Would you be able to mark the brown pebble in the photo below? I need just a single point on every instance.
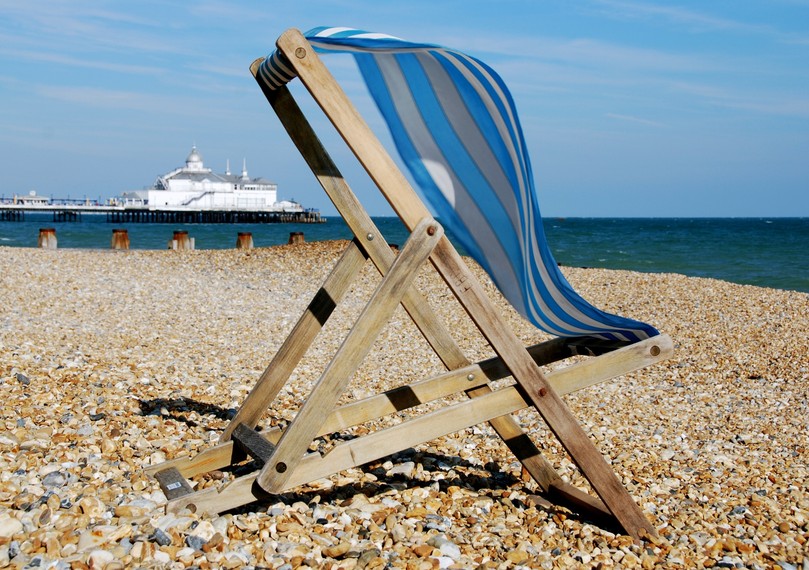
(337, 551)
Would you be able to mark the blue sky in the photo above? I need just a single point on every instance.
(629, 108)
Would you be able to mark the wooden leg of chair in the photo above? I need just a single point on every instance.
(299, 340)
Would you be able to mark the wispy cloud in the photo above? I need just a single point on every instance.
(693, 19)
(149, 104)
(71, 61)
(75, 26)
(229, 11)
(636, 120)
(697, 21)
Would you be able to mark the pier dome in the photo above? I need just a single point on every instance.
(194, 160)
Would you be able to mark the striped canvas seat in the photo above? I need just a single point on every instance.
(456, 128)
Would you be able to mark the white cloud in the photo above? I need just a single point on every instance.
(636, 120)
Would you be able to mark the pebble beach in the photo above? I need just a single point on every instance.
(112, 361)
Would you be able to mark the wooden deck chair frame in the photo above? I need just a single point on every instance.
(284, 456)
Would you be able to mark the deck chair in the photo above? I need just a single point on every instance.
(455, 126)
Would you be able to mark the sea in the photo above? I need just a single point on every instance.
(767, 252)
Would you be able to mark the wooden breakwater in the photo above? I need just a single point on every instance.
(180, 241)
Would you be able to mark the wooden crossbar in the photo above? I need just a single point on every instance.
(565, 380)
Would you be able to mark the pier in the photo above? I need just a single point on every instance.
(169, 215)
(132, 215)
(190, 194)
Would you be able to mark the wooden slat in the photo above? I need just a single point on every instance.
(372, 155)
(427, 427)
(241, 491)
(622, 361)
(215, 457)
(359, 341)
(574, 377)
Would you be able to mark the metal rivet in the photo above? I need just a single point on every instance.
(300, 53)
(470, 377)
(655, 350)
(430, 230)
(542, 392)
(370, 237)
(281, 467)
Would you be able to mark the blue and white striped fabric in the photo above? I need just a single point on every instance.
(455, 126)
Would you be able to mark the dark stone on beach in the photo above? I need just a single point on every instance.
(98, 416)
(54, 479)
(195, 542)
(160, 537)
(22, 379)
(728, 562)
(367, 556)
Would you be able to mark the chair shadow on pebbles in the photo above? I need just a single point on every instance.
(407, 469)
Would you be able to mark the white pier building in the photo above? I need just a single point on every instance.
(196, 187)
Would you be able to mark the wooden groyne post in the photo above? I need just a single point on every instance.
(47, 238)
(120, 239)
(244, 240)
(181, 241)
(295, 237)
